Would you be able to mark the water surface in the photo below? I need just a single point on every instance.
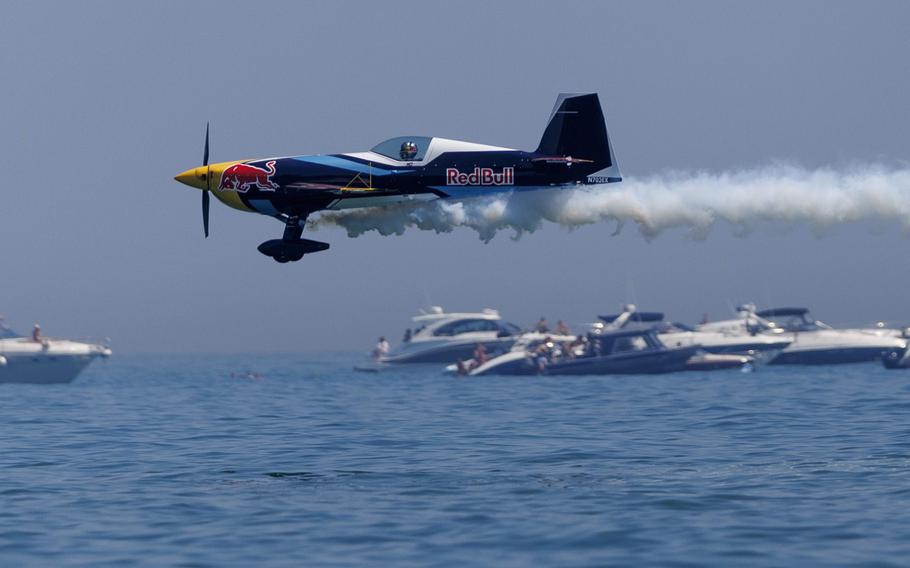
(172, 461)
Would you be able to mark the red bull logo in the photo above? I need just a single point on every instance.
(480, 176)
(241, 177)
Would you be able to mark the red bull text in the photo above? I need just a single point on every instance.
(480, 176)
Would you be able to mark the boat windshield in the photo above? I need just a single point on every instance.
(404, 148)
(506, 328)
(755, 324)
(623, 344)
(626, 344)
(458, 327)
(800, 323)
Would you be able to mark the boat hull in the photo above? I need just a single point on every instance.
(43, 369)
(896, 358)
(829, 356)
(450, 352)
(633, 363)
(719, 362)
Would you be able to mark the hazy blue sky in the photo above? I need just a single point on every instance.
(102, 103)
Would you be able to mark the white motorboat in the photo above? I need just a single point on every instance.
(48, 360)
(813, 342)
(718, 340)
(442, 337)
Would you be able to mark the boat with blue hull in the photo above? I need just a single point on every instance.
(609, 353)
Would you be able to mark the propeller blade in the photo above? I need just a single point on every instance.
(208, 184)
(205, 212)
(205, 154)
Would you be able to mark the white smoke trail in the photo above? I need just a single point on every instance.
(818, 198)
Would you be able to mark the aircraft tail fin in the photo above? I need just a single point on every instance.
(577, 128)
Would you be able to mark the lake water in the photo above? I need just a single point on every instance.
(172, 461)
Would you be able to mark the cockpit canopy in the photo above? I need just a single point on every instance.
(394, 148)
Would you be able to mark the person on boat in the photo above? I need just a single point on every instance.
(542, 326)
(542, 354)
(562, 328)
(568, 349)
(407, 335)
(593, 345)
(36, 334)
(381, 349)
(480, 355)
(461, 368)
(580, 346)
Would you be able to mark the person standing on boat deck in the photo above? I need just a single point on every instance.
(407, 335)
(381, 349)
(542, 326)
(594, 346)
(36, 334)
(562, 328)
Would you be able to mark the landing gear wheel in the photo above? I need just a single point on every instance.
(283, 251)
(290, 247)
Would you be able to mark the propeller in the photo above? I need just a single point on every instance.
(208, 184)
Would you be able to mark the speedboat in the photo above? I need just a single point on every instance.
(721, 347)
(527, 341)
(46, 360)
(813, 342)
(607, 353)
(442, 337)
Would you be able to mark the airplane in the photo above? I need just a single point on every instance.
(574, 150)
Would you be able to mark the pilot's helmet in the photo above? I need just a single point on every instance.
(408, 150)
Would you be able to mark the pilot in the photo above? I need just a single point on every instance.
(408, 150)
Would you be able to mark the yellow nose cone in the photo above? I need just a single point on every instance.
(194, 177)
